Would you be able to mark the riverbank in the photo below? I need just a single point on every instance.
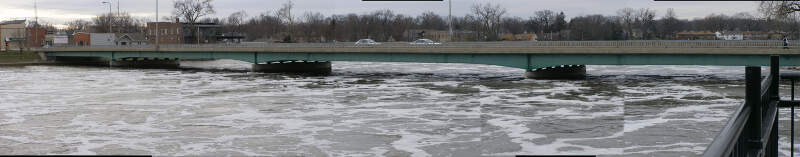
(21, 58)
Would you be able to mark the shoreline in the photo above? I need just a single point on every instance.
(28, 64)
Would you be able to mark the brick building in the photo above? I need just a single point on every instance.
(169, 33)
(81, 39)
(36, 36)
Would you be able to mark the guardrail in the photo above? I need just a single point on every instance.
(507, 44)
(753, 129)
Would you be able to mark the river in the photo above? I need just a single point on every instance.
(217, 108)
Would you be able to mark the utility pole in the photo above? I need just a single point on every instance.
(156, 31)
(36, 24)
(110, 16)
(450, 18)
(118, 14)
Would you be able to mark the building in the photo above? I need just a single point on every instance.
(759, 35)
(704, 35)
(170, 33)
(729, 36)
(102, 39)
(435, 35)
(234, 37)
(518, 37)
(130, 39)
(59, 38)
(36, 36)
(81, 39)
(12, 35)
(207, 33)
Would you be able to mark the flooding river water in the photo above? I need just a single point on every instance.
(365, 109)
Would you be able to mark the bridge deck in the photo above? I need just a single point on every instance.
(525, 55)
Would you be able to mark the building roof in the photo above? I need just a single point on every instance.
(132, 36)
(12, 22)
(200, 24)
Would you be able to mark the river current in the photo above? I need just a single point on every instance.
(217, 108)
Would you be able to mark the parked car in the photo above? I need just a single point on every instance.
(424, 42)
(367, 42)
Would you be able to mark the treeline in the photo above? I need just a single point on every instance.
(485, 22)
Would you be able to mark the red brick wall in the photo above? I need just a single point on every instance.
(169, 33)
(81, 38)
(36, 36)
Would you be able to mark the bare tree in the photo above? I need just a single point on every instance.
(513, 25)
(489, 17)
(285, 14)
(430, 20)
(79, 25)
(191, 11)
(645, 19)
(124, 23)
(312, 28)
(775, 9)
(626, 17)
(235, 21)
(669, 25)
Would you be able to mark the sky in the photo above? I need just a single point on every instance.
(60, 11)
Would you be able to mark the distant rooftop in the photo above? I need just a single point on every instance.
(12, 22)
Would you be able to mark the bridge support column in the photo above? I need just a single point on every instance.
(147, 63)
(558, 72)
(323, 68)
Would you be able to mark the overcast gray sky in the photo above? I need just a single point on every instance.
(60, 11)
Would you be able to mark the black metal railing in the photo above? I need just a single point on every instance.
(753, 129)
(793, 77)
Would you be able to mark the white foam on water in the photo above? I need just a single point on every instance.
(171, 98)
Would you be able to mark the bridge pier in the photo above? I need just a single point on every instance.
(313, 67)
(150, 63)
(85, 61)
(147, 63)
(558, 72)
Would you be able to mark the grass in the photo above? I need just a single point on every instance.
(18, 57)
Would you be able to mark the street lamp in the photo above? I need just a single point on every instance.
(110, 16)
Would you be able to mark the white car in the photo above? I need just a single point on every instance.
(367, 42)
(424, 42)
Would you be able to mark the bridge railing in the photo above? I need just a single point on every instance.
(508, 44)
(753, 128)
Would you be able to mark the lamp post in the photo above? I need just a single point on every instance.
(110, 16)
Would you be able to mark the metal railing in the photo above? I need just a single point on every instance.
(506, 44)
(753, 129)
(792, 77)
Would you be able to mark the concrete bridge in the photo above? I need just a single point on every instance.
(540, 59)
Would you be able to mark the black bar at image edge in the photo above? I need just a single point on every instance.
(76, 155)
(401, 0)
(556, 156)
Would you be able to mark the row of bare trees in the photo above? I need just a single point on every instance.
(485, 22)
